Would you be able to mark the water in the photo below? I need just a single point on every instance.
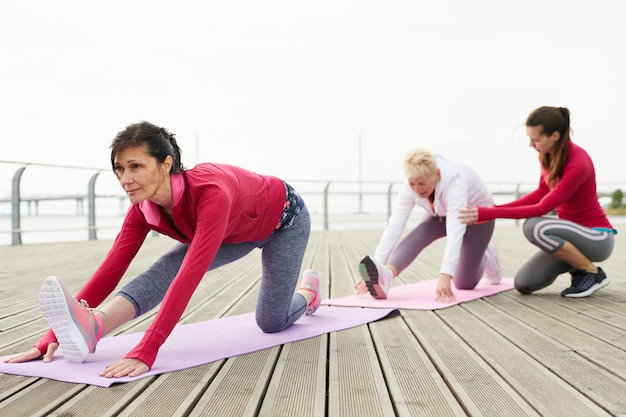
(63, 222)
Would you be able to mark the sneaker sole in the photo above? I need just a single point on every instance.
(57, 313)
(591, 290)
(369, 273)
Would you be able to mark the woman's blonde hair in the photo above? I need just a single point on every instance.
(420, 163)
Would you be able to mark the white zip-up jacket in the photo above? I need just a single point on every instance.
(458, 187)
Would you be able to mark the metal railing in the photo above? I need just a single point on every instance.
(51, 189)
(338, 204)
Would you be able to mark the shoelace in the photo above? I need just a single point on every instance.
(583, 281)
(98, 323)
(85, 305)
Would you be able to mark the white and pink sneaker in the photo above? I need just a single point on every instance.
(76, 327)
(493, 272)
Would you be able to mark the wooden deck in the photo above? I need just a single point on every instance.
(505, 355)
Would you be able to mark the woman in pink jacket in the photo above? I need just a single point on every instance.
(218, 213)
(580, 234)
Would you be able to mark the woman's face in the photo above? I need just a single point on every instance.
(141, 176)
(424, 186)
(541, 142)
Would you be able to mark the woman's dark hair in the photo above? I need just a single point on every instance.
(159, 143)
(553, 119)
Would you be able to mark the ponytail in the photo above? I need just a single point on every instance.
(175, 153)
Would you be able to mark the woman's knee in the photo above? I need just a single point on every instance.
(523, 288)
(269, 326)
(528, 286)
(465, 285)
(528, 228)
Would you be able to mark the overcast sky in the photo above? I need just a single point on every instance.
(291, 88)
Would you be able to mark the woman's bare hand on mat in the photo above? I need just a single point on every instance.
(444, 293)
(34, 353)
(360, 287)
(125, 367)
(468, 215)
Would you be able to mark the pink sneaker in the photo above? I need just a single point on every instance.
(311, 281)
(376, 276)
(76, 327)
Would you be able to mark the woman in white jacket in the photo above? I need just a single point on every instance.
(441, 187)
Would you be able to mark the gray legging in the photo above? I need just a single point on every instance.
(277, 306)
(470, 268)
(550, 234)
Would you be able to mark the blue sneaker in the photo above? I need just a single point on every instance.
(585, 283)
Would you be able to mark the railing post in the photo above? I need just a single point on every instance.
(517, 195)
(389, 198)
(326, 205)
(16, 233)
(91, 207)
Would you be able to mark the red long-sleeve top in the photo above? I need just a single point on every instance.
(574, 198)
(212, 204)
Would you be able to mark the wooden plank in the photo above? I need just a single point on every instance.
(476, 386)
(297, 386)
(102, 401)
(588, 364)
(414, 384)
(239, 386)
(157, 399)
(494, 336)
(49, 395)
(356, 384)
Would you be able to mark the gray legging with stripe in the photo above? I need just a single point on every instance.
(470, 268)
(277, 306)
(550, 234)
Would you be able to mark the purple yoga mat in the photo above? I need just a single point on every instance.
(419, 296)
(195, 344)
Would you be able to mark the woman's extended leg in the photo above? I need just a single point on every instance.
(425, 233)
(148, 289)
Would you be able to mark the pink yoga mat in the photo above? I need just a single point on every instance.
(195, 344)
(419, 296)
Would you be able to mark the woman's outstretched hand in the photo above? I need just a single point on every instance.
(34, 353)
(125, 367)
(444, 293)
(469, 215)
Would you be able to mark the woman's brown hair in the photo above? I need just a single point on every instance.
(553, 119)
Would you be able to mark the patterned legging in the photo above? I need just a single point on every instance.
(550, 234)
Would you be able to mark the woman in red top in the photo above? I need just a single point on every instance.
(218, 213)
(581, 234)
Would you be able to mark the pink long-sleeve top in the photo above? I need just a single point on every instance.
(212, 204)
(574, 198)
